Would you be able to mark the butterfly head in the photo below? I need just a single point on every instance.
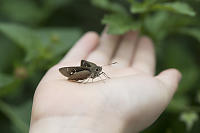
(96, 71)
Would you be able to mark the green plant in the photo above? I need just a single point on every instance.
(35, 34)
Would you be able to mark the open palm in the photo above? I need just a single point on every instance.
(130, 101)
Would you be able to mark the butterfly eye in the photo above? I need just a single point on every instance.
(97, 69)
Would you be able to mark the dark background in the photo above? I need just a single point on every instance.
(35, 34)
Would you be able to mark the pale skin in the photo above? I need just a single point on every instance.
(129, 102)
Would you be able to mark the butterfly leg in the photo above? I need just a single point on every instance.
(85, 81)
(101, 74)
(101, 79)
(82, 81)
(105, 75)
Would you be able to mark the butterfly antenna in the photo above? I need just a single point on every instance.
(110, 64)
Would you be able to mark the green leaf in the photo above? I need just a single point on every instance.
(22, 10)
(177, 7)
(22, 35)
(189, 118)
(56, 3)
(8, 85)
(25, 37)
(9, 53)
(28, 11)
(14, 117)
(177, 55)
(119, 24)
(5, 80)
(178, 104)
(141, 7)
(194, 32)
(24, 111)
(159, 26)
(155, 24)
(148, 5)
(110, 6)
(58, 40)
(40, 43)
(198, 96)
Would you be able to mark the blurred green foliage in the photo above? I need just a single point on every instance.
(35, 34)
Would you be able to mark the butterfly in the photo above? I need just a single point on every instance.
(85, 71)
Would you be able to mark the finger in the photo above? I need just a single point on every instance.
(170, 78)
(125, 50)
(144, 58)
(103, 53)
(82, 48)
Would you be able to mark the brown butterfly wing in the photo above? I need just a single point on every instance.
(69, 71)
(85, 63)
(80, 75)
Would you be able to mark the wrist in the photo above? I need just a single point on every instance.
(77, 124)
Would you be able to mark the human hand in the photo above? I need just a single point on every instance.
(128, 102)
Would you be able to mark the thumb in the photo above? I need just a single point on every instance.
(170, 79)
